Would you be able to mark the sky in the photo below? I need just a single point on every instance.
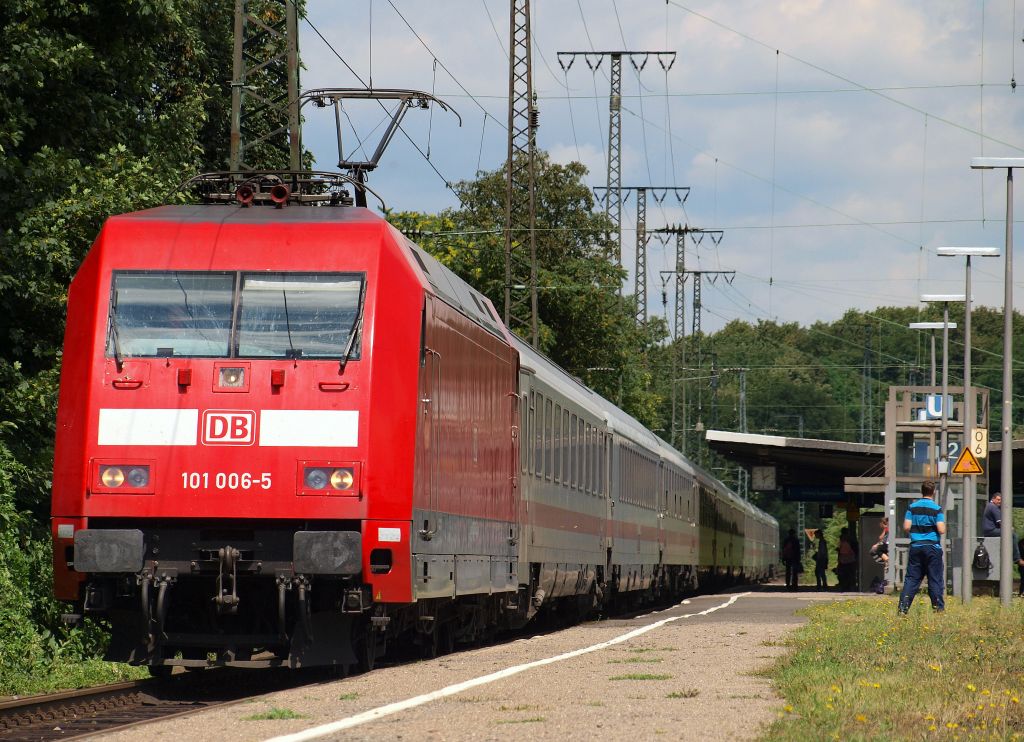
(829, 141)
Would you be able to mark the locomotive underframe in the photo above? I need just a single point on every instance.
(238, 593)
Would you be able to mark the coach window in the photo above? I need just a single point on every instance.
(587, 456)
(537, 411)
(548, 441)
(574, 454)
(566, 459)
(524, 432)
(558, 443)
(579, 453)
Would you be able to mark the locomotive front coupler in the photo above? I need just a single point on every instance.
(227, 602)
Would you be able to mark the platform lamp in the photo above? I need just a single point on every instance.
(943, 462)
(1006, 487)
(931, 326)
(969, 514)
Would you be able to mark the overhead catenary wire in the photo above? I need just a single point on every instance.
(447, 183)
(845, 79)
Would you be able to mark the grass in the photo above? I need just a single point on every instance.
(636, 661)
(275, 713)
(640, 676)
(857, 671)
(67, 673)
(688, 693)
(348, 696)
(531, 720)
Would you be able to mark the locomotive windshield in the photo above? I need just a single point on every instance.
(229, 315)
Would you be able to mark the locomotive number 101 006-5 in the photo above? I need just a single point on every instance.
(196, 480)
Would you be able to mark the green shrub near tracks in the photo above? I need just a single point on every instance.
(857, 671)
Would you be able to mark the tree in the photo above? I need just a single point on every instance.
(107, 108)
(586, 327)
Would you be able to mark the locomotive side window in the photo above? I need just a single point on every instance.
(299, 315)
(226, 314)
(170, 314)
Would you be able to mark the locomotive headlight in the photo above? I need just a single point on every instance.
(138, 476)
(231, 376)
(316, 479)
(327, 478)
(342, 479)
(112, 476)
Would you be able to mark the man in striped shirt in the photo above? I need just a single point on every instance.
(925, 522)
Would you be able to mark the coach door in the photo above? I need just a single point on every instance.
(663, 481)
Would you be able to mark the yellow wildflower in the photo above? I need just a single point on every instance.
(971, 687)
(986, 692)
(861, 718)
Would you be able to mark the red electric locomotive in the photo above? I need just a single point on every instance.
(260, 410)
(287, 434)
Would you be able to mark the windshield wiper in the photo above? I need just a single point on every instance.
(353, 331)
(118, 358)
(288, 325)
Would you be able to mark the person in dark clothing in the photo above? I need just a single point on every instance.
(791, 558)
(926, 523)
(1020, 568)
(846, 567)
(992, 518)
(821, 561)
(992, 525)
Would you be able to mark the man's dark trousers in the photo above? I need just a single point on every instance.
(921, 561)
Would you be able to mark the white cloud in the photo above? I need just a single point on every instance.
(841, 156)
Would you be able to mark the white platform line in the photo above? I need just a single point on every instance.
(393, 708)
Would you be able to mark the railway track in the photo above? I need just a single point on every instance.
(77, 713)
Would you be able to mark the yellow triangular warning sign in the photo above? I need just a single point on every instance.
(967, 463)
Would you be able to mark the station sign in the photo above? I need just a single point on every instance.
(979, 443)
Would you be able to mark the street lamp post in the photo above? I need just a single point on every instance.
(968, 514)
(943, 462)
(1005, 543)
(932, 326)
(943, 457)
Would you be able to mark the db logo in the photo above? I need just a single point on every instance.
(229, 428)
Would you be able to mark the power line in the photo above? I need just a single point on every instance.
(431, 52)
(847, 80)
(447, 183)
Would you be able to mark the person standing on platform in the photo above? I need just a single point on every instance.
(846, 561)
(992, 525)
(821, 561)
(926, 523)
(992, 518)
(791, 558)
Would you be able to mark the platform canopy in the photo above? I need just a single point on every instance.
(812, 469)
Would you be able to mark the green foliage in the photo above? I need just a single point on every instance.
(586, 327)
(275, 713)
(106, 108)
